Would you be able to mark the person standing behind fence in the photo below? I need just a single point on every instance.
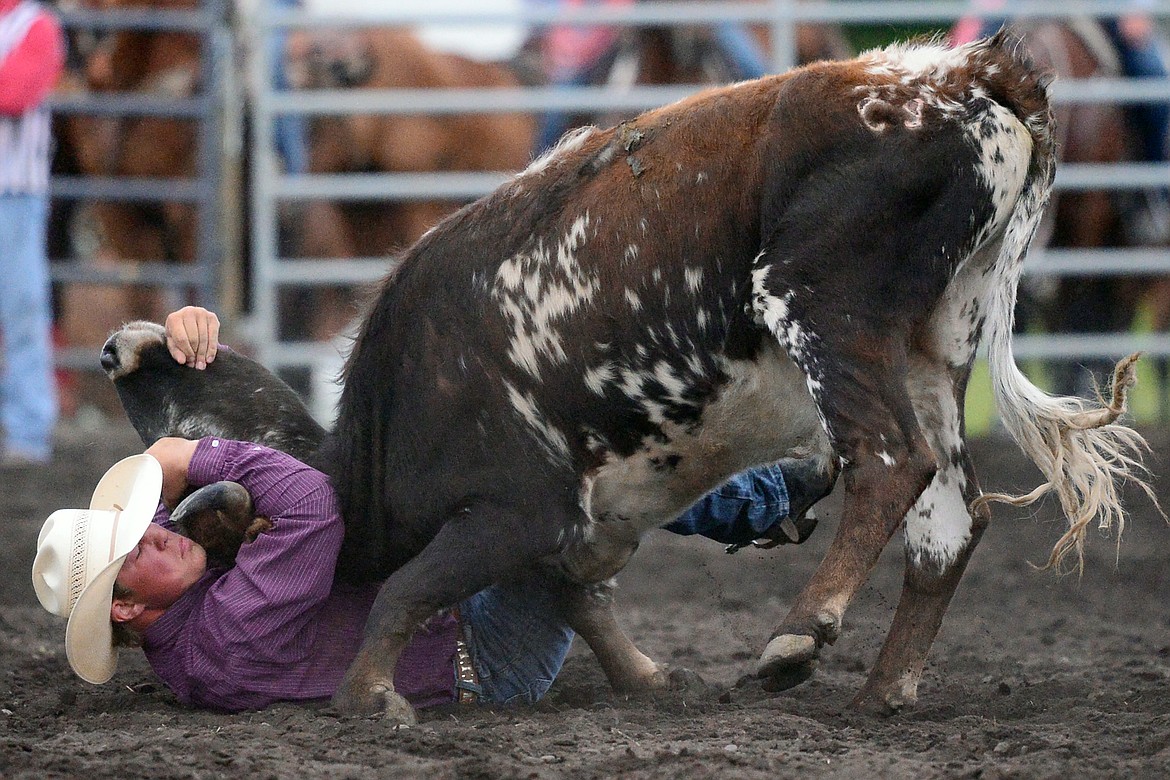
(32, 55)
(290, 131)
(572, 52)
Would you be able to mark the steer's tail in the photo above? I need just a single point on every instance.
(1083, 452)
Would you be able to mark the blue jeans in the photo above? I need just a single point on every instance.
(28, 393)
(518, 639)
(739, 510)
(741, 49)
(290, 131)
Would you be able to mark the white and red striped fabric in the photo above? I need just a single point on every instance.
(31, 58)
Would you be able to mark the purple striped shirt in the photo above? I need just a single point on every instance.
(275, 627)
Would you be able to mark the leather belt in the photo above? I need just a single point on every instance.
(467, 687)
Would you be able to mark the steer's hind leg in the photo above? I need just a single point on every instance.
(855, 260)
(888, 464)
(941, 534)
(487, 543)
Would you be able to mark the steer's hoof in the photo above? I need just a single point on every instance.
(398, 710)
(786, 650)
(648, 679)
(376, 699)
(873, 701)
(787, 661)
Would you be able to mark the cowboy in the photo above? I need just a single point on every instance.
(271, 628)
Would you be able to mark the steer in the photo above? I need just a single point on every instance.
(237, 398)
(803, 264)
(800, 265)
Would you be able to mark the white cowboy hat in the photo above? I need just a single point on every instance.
(79, 555)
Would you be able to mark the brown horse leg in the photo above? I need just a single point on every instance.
(1086, 304)
(325, 232)
(1159, 298)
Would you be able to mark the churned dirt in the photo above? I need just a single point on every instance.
(1032, 675)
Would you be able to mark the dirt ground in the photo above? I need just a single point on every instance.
(1032, 675)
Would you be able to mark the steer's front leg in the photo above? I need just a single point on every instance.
(588, 609)
(486, 544)
(368, 687)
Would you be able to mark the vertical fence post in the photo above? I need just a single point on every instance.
(263, 175)
(215, 53)
(783, 33)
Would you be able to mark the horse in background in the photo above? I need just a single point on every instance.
(1079, 48)
(391, 58)
(160, 63)
(170, 64)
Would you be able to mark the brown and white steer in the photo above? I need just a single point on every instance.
(804, 264)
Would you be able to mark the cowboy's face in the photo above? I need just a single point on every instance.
(162, 567)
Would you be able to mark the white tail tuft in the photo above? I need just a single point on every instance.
(1083, 452)
(1081, 449)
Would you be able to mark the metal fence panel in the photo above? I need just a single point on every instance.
(203, 191)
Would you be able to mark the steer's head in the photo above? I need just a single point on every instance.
(234, 397)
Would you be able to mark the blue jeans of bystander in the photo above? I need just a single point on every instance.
(28, 395)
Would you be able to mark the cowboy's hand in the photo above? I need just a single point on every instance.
(193, 336)
(174, 455)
